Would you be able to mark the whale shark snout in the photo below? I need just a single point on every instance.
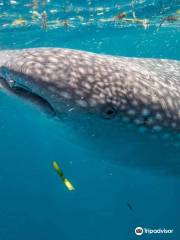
(116, 94)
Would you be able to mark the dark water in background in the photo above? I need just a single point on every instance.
(34, 204)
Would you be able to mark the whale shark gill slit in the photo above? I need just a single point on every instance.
(23, 92)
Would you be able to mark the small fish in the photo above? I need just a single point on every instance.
(66, 182)
(130, 207)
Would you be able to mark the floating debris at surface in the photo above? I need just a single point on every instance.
(44, 18)
(171, 18)
(66, 15)
(121, 15)
(20, 21)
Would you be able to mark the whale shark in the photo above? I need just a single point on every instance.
(115, 101)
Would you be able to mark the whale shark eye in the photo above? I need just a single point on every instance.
(109, 112)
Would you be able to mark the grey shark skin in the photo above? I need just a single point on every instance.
(113, 100)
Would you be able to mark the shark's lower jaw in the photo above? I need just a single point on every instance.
(23, 92)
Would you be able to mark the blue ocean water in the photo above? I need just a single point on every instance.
(109, 200)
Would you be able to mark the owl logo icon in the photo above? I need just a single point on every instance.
(139, 231)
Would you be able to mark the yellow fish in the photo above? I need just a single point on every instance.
(66, 182)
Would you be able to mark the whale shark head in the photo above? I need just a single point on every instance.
(106, 86)
(101, 95)
(67, 80)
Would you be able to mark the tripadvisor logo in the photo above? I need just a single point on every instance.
(139, 231)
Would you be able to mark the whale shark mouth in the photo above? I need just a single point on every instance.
(24, 92)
